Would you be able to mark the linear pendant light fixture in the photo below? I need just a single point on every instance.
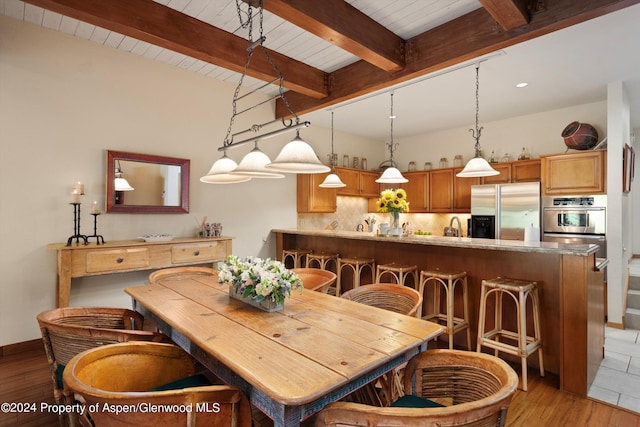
(478, 166)
(296, 157)
(332, 180)
(391, 174)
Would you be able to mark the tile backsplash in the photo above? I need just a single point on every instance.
(352, 211)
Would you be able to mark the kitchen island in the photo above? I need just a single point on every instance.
(570, 281)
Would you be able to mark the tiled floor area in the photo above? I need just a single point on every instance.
(618, 379)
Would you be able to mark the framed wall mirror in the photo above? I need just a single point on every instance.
(144, 183)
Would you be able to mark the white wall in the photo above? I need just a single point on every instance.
(63, 102)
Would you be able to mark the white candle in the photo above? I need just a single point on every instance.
(94, 208)
(74, 197)
(79, 187)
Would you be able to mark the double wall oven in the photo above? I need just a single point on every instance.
(575, 219)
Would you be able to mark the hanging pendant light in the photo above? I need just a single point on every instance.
(477, 167)
(121, 184)
(296, 157)
(220, 172)
(391, 174)
(253, 165)
(332, 180)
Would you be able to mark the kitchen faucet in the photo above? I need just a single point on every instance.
(458, 231)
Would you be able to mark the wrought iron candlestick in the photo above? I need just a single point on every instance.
(76, 226)
(95, 234)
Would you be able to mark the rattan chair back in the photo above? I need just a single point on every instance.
(392, 297)
(178, 273)
(316, 279)
(122, 375)
(475, 388)
(71, 330)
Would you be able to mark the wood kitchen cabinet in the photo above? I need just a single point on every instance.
(516, 171)
(462, 192)
(313, 199)
(441, 190)
(417, 191)
(359, 182)
(574, 173)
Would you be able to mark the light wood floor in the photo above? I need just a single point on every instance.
(25, 377)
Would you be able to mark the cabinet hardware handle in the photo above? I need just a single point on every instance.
(120, 260)
(196, 253)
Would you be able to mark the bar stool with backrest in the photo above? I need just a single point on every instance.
(399, 272)
(447, 281)
(519, 291)
(297, 256)
(357, 265)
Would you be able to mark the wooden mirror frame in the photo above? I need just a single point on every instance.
(114, 156)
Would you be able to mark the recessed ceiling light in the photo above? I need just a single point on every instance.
(523, 84)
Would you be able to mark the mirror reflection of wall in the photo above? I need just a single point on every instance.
(155, 184)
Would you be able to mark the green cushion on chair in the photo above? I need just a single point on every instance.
(198, 380)
(411, 401)
(59, 372)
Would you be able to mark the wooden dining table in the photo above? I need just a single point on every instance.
(290, 363)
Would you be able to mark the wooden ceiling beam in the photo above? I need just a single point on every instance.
(509, 14)
(341, 24)
(454, 42)
(167, 28)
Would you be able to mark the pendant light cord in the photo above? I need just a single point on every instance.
(391, 144)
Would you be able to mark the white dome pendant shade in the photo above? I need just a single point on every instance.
(477, 167)
(391, 176)
(121, 184)
(297, 157)
(220, 172)
(332, 181)
(253, 165)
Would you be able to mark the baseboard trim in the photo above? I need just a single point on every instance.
(616, 325)
(21, 347)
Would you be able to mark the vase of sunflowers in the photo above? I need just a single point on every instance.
(393, 201)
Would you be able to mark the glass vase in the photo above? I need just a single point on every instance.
(394, 223)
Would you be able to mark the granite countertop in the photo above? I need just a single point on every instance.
(459, 242)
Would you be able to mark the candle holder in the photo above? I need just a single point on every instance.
(95, 234)
(76, 226)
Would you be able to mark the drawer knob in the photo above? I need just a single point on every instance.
(120, 260)
(196, 253)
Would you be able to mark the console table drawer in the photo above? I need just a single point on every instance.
(205, 252)
(117, 259)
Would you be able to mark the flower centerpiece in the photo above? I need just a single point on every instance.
(264, 283)
(394, 202)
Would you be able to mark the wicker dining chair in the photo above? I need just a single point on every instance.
(453, 388)
(181, 273)
(316, 279)
(149, 375)
(71, 330)
(393, 297)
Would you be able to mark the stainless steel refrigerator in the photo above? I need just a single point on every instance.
(512, 208)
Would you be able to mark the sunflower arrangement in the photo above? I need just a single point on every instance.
(392, 201)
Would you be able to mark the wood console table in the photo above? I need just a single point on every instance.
(132, 255)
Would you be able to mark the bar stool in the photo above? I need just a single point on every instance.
(357, 265)
(518, 290)
(447, 281)
(399, 272)
(296, 255)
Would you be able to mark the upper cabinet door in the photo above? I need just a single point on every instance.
(503, 178)
(417, 191)
(441, 190)
(526, 171)
(351, 177)
(368, 185)
(462, 192)
(575, 173)
(313, 199)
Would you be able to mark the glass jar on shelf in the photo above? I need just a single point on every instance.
(427, 166)
(363, 163)
(356, 162)
(506, 158)
(524, 155)
(493, 158)
(412, 166)
(345, 161)
(444, 162)
(457, 161)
